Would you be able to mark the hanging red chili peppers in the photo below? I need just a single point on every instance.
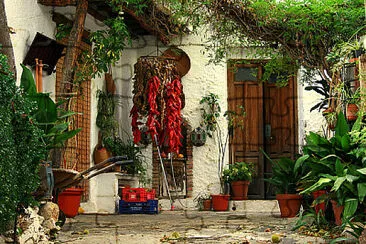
(172, 121)
(158, 98)
(152, 123)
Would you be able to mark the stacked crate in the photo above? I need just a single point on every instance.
(137, 201)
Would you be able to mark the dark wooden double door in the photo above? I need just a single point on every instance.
(270, 123)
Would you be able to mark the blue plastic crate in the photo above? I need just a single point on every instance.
(148, 207)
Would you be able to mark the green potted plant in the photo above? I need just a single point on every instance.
(239, 175)
(203, 201)
(285, 176)
(211, 111)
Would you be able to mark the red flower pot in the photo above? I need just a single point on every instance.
(289, 204)
(239, 190)
(220, 202)
(320, 206)
(337, 210)
(206, 205)
(69, 201)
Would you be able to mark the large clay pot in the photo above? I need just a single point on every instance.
(239, 190)
(101, 154)
(69, 201)
(289, 204)
(351, 112)
(337, 210)
(220, 202)
(320, 206)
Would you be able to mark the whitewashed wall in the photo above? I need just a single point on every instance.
(27, 18)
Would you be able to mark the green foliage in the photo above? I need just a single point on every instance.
(49, 115)
(337, 165)
(105, 117)
(285, 175)
(211, 111)
(119, 147)
(21, 147)
(239, 171)
(107, 49)
(302, 32)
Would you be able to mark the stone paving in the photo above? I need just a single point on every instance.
(182, 227)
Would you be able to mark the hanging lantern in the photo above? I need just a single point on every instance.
(198, 137)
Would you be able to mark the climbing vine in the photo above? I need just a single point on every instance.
(301, 32)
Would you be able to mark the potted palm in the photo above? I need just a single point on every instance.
(285, 176)
(239, 175)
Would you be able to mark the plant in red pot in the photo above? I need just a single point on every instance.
(239, 175)
(284, 179)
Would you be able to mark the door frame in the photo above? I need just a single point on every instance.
(232, 64)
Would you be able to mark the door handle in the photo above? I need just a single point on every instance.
(267, 131)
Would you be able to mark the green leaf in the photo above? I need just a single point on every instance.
(339, 168)
(339, 181)
(342, 127)
(300, 161)
(320, 184)
(357, 125)
(350, 207)
(27, 81)
(361, 189)
(60, 139)
(47, 111)
(346, 142)
(362, 171)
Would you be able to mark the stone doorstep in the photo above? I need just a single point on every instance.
(245, 206)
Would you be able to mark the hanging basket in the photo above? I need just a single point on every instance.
(110, 85)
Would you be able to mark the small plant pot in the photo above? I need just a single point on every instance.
(206, 205)
(220, 202)
(239, 190)
(320, 206)
(351, 112)
(337, 210)
(289, 204)
(69, 201)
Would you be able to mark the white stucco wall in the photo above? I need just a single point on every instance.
(27, 18)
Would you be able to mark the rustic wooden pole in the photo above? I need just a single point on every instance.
(72, 51)
(73, 46)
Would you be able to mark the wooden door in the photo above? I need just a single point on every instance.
(270, 123)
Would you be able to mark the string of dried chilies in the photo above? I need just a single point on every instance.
(158, 95)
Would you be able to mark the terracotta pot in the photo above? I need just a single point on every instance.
(239, 190)
(320, 206)
(101, 154)
(337, 210)
(351, 112)
(289, 204)
(220, 202)
(206, 205)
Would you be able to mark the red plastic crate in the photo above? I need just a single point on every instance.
(137, 194)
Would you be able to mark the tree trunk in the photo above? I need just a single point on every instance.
(68, 69)
(73, 47)
(5, 41)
